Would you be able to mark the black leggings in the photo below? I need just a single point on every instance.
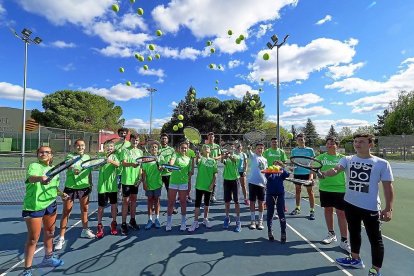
(279, 201)
(199, 195)
(354, 216)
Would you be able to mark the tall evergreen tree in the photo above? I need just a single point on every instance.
(332, 132)
(312, 137)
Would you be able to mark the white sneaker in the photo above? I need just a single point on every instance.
(329, 238)
(193, 226)
(345, 246)
(189, 200)
(260, 225)
(207, 223)
(183, 226)
(59, 244)
(168, 226)
(252, 225)
(87, 233)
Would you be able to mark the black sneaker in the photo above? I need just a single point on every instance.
(283, 238)
(175, 211)
(133, 224)
(270, 235)
(124, 228)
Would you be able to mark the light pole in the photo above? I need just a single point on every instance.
(151, 90)
(25, 37)
(271, 45)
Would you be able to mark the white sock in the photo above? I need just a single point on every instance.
(157, 216)
(169, 219)
(183, 219)
(252, 216)
(150, 217)
(260, 215)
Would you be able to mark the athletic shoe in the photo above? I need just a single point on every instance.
(168, 227)
(246, 202)
(329, 238)
(312, 215)
(260, 225)
(124, 228)
(226, 222)
(193, 226)
(28, 272)
(252, 225)
(133, 224)
(295, 212)
(183, 226)
(149, 225)
(87, 233)
(207, 223)
(238, 227)
(283, 238)
(276, 216)
(189, 200)
(270, 235)
(345, 246)
(213, 199)
(59, 244)
(373, 272)
(175, 211)
(52, 261)
(177, 201)
(350, 262)
(157, 223)
(114, 231)
(100, 232)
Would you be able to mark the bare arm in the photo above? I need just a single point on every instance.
(334, 171)
(386, 214)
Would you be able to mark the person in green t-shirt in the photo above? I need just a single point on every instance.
(205, 181)
(274, 153)
(130, 178)
(216, 155)
(243, 172)
(192, 155)
(77, 186)
(332, 192)
(179, 184)
(39, 207)
(166, 152)
(108, 189)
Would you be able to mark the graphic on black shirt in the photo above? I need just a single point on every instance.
(359, 176)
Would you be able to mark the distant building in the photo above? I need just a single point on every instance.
(11, 120)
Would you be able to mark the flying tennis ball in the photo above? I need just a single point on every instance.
(211, 65)
(159, 33)
(208, 43)
(290, 135)
(180, 117)
(217, 81)
(136, 55)
(151, 47)
(238, 41)
(252, 102)
(256, 112)
(128, 83)
(241, 37)
(180, 125)
(115, 7)
(229, 32)
(145, 67)
(262, 79)
(132, 1)
(266, 56)
(175, 127)
(192, 100)
(140, 11)
(216, 88)
(219, 67)
(193, 91)
(157, 56)
(149, 58)
(141, 58)
(261, 111)
(260, 89)
(121, 69)
(212, 50)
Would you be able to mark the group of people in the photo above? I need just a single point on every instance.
(348, 184)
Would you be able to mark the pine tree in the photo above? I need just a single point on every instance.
(312, 137)
(332, 132)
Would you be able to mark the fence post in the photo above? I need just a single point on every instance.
(38, 137)
(404, 147)
(65, 142)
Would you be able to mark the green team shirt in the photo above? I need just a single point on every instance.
(120, 146)
(181, 176)
(207, 167)
(39, 196)
(335, 183)
(273, 155)
(130, 175)
(215, 150)
(81, 180)
(167, 153)
(231, 170)
(152, 174)
(108, 174)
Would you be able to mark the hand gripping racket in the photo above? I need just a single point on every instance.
(99, 161)
(62, 166)
(307, 162)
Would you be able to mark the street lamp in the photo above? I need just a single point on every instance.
(151, 90)
(271, 45)
(25, 37)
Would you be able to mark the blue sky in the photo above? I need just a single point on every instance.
(342, 64)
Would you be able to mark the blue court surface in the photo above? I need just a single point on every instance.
(213, 251)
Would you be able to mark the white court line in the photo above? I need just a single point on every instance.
(41, 248)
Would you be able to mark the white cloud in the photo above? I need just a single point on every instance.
(263, 29)
(336, 103)
(341, 71)
(119, 92)
(68, 67)
(15, 92)
(297, 63)
(298, 112)
(235, 63)
(238, 91)
(354, 85)
(116, 51)
(132, 21)
(185, 53)
(141, 124)
(62, 44)
(228, 45)
(152, 72)
(353, 123)
(303, 100)
(173, 104)
(327, 18)
(2, 9)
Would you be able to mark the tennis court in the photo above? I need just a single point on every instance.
(206, 252)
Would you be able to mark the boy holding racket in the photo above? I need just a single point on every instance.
(77, 186)
(130, 178)
(303, 174)
(39, 207)
(364, 172)
(108, 189)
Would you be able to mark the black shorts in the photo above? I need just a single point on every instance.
(230, 188)
(199, 195)
(77, 193)
(302, 177)
(256, 192)
(128, 190)
(104, 197)
(332, 199)
(166, 181)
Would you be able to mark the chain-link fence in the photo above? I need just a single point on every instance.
(397, 147)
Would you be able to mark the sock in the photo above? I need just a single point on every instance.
(149, 217)
(237, 218)
(298, 207)
(252, 216)
(157, 216)
(183, 218)
(260, 215)
(343, 239)
(332, 232)
(27, 268)
(312, 209)
(169, 219)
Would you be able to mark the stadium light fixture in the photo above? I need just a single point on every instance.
(151, 90)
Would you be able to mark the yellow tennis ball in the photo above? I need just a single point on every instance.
(157, 56)
(128, 83)
(141, 58)
(175, 127)
(229, 32)
(115, 7)
(145, 67)
(241, 37)
(180, 117)
(256, 112)
(121, 69)
(266, 56)
(212, 50)
(149, 58)
(151, 47)
(209, 43)
(252, 102)
(290, 136)
(238, 41)
(159, 33)
(140, 11)
(180, 125)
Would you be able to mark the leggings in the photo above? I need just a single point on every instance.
(279, 200)
(354, 216)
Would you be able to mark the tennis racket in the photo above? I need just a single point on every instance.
(93, 162)
(146, 159)
(307, 162)
(255, 136)
(300, 181)
(227, 148)
(194, 136)
(62, 166)
(170, 167)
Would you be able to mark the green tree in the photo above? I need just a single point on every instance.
(79, 110)
(379, 126)
(400, 119)
(312, 137)
(365, 129)
(332, 132)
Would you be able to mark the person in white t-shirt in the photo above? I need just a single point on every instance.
(364, 172)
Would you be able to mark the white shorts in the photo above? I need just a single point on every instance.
(180, 187)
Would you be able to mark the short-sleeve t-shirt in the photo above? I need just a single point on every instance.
(274, 183)
(207, 167)
(273, 155)
(120, 146)
(181, 176)
(331, 184)
(215, 150)
(243, 158)
(81, 180)
(153, 174)
(257, 163)
(363, 176)
(231, 171)
(108, 177)
(305, 151)
(39, 196)
(167, 153)
(130, 175)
